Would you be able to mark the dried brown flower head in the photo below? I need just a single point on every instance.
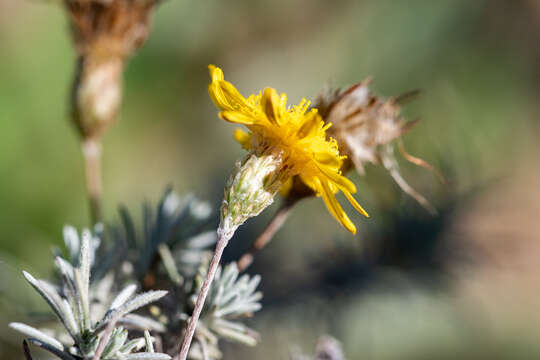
(105, 33)
(361, 122)
(366, 128)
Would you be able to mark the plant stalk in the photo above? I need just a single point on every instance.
(279, 218)
(223, 240)
(91, 151)
(105, 338)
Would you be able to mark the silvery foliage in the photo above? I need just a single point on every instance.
(174, 232)
(173, 236)
(231, 297)
(72, 303)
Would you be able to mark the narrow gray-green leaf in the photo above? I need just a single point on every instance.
(147, 356)
(170, 266)
(84, 300)
(85, 261)
(38, 334)
(134, 321)
(49, 293)
(71, 239)
(123, 296)
(148, 342)
(236, 331)
(70, 323)
(203, 240)
(116, 341)
(59, 353)
(133, 304)
(135, 344)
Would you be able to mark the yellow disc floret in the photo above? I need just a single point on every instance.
(297, 133)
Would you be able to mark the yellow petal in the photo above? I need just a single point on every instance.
(286, 187)
(243, 138)
(328, 159)
(356, 205)
(335, 209)
(225, 95)
(234, 97)
(270, 103)
(217, 96)
(339, 180)
(310, 126)
(237, 117)
(215, 73)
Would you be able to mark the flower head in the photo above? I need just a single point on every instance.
(294, 136)
(367, 127)
(105, 33)
(362, 122)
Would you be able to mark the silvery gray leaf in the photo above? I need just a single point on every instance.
(59, 353)
(173, 222)
(64, 267)
(69, 320)
(170, 266)
(233, 296)
(200, 209)
(71, 240)
(203, 240)
(117, 340)
(146, 356)
(139, 322)
(132, 345)
(83, 300)
(50, 294)
(148, 342)
(235, 331)
(133, 304)
(171, 203)
(37, 334)
(123, 296)
(85, 259)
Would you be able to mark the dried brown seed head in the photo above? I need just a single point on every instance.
(361, 122)
(366, 128)
(105, 33)
(109, 27)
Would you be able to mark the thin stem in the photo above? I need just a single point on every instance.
(92, 167)
(223, 240)
(105, 338)
(279, 218)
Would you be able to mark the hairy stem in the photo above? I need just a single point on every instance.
(223, 240)
(279, 218)
(105, 338)
(92, 167)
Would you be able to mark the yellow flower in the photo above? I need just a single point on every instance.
(297, 134)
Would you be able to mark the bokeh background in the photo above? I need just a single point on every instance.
(464, 284)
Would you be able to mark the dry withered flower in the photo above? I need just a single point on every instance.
(105, 33)
(366, 128)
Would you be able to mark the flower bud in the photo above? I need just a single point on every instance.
(250, 189)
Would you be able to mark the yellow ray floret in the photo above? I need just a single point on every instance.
(299, 133)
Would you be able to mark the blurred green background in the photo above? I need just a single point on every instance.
(408, 286)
